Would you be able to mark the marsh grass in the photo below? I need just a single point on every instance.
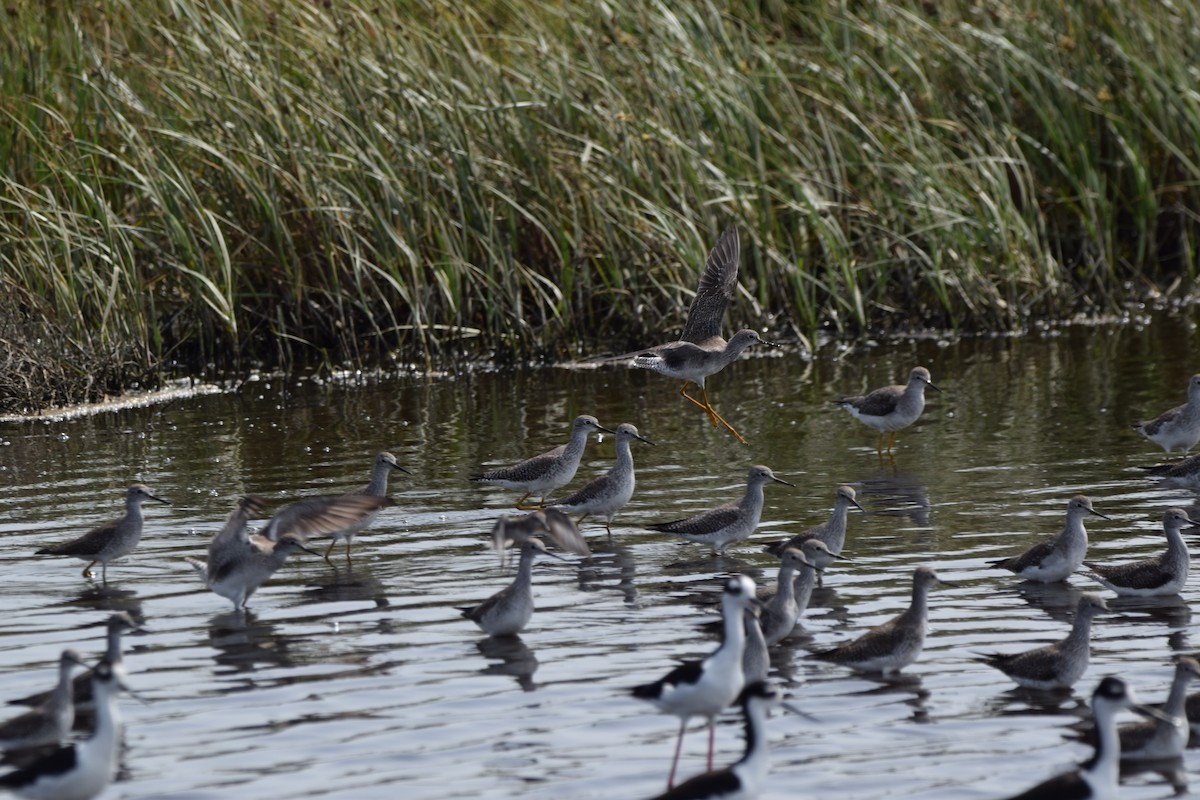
(202, 181)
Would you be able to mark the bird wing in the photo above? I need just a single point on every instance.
(715, 289)
(687, 672)
(313, 516)
(1151, 427)
(1147, 574)
(1068, 786)
(713, 520)
(529, 469)
(89, 544)
(1031, 557)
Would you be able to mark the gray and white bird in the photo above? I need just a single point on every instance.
(1098, 778)
(890, 408)
(832, 531)
(1058, 665)
(729, 523)
(545, 473)
(895, 644)
(1164, 574)
(701, 351)
(381, 469)
(49, 722)
(111, 540)
(1157, 739)
(239, 562)
(606, 495)
(1056, 558)
(551, 523)
(1183, 474)
(1178, 428)
(509, 610)
(82, 770)
(780, 613)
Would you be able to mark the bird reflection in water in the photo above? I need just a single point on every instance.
(514, 658)
(346, 585)
(109, 598)
(614, 565)
(897, 495)
(243, 643)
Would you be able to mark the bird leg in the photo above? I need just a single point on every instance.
(522, 507)
(891, 441)
(706, 406)
(329, 550)
(712, 733)
(349, 561)
(675, 760)
(87, 571)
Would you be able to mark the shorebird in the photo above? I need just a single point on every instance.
(381, 469)
(609, 493)
(1184, 474)
(1057, 558)
(238, 562)
(82, 770)
(832, 531)
(728, 523)
(756, 661)
(701, 351)
(50, 722)
(779, 613)
(892, 407)
(1156, 739)
(554, 524)
(895, 644)
(1097, 779)
(1058, 665)
(705, 688)
(1179, 428)
(110, 541)
(545, 473)
(509, 610)
(81, 687)
(745, 778)
(1163, 574)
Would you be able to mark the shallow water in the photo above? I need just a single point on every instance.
(364, 682)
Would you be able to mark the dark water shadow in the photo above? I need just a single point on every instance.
(891, 493)
(354, 584)
(1172, 610)
(1019, 701)
(243, 643)
(110, 598)
(1171, 770)
(610, 569)
(1057, 600)
(514, 658)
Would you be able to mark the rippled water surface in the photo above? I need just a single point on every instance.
(365, 682)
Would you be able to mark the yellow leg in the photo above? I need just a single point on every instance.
(348, 559)
(329, 550)
(891, 441)
(87, 571)
(713, 416)
(522, 507)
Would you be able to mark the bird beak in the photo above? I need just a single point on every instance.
(1098, 514)
(402, 469)
(605, 430)
(932, 385)
(781, 480)
(1151, 713)
(948, 583)
(644, 439)
(796, 710)
(158, 499)
(856, 505)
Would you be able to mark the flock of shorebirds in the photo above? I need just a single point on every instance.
(240, 559)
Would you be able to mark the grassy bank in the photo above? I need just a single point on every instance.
(197, 182)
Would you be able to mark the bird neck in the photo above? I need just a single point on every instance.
(525, 564)
(113, 652)
(108, 717)
(379, 479)
(752, 501)
(785, 589)
(920, 600)
(624, 461)
(756, 757)
(1177, 698)
(734, 639)
(1175, 542)
(1081, 631)
(803, 587)
(576, 445)
(1075, 528)
(1105, 763)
